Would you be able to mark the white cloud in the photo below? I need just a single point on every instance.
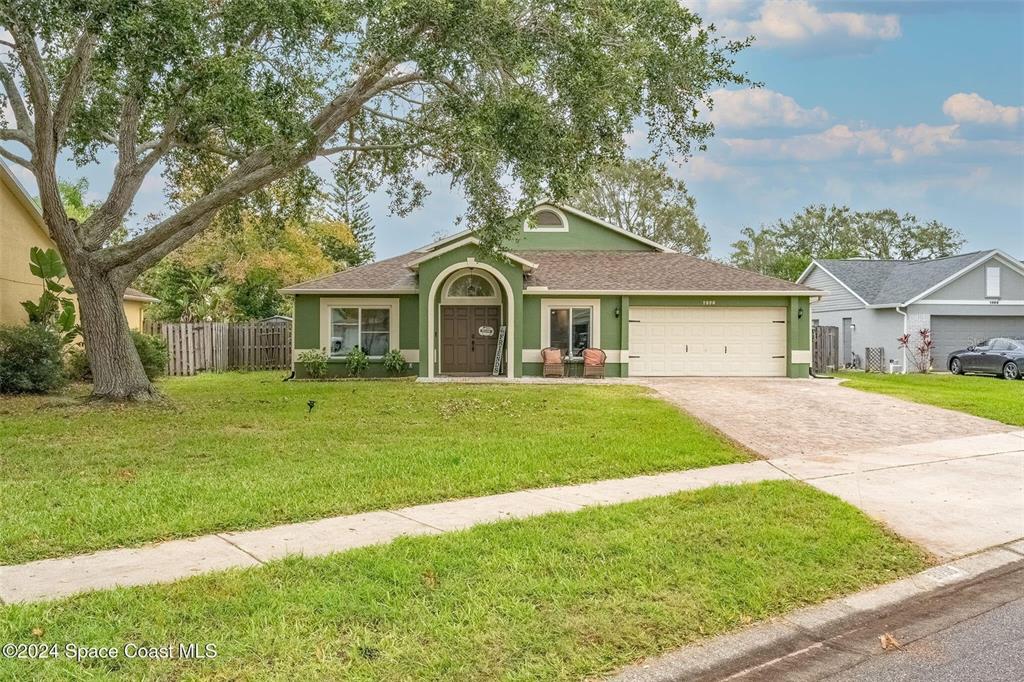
(702, 168)
(793, 23)
(762, 108)
(839, 141)
(973, 108)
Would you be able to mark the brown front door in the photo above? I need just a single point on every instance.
(469, 338)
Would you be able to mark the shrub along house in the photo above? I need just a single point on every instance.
(569, 281)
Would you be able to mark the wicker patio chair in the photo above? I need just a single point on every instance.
(593, 363)
(554, 364)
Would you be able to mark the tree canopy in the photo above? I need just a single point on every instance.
(640, 196)
(786, 248)
(513, 101)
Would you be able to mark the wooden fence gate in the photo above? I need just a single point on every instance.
(194, 347)
(824, 349)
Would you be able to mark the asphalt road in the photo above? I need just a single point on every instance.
(967, 633)
(988, 647)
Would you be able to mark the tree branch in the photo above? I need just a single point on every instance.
(21, 117)
(12, 135)
(73, 81)
(256, 170)
(128, 175)
(14, 158)
(328, 151)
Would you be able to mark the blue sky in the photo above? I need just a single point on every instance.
(851, 112)
(915, 106)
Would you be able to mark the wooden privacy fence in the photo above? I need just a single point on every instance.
(824, 349)
(194, 347)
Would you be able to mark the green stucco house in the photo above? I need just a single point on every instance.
(570, 281)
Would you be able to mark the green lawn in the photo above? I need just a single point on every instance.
(982, 396)
(233, 451)
(563, 596)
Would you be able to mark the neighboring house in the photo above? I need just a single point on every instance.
(962, 299)
(21, 228)
(568, 280)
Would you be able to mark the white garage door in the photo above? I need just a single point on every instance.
(707, 342)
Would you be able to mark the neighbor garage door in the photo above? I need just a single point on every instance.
(952, 333)
(707, 341)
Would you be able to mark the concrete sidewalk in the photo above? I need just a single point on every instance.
(177, 559)
(953, 497)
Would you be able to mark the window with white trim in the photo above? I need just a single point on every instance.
(366, 327)
(570, 328)
(992, 282)
(546, 220)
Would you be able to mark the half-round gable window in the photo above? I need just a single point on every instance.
(547, 220)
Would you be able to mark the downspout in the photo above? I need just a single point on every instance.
(903, 370)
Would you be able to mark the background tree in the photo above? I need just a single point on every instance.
(513, 101)
(277, 236)
(640, 196)
(346, 204)
(786, 248)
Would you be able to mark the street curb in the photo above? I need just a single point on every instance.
(732, 653)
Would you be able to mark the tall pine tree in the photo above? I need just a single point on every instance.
(347, 203)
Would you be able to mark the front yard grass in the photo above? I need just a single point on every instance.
(235, 451)
(987, 397)
(563, 596)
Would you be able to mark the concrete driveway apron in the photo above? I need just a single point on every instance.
(952, 482)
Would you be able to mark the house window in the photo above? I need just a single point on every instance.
(368, 328)
(570, 329)
(992, 282)
(547, 220)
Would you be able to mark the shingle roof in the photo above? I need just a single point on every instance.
(575, 271)
(891, 282)
(390, 274)
(644, 271)
(136, 295)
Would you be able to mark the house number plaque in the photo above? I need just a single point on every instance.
(485, 331)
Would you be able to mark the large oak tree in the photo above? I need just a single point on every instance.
(512, 100)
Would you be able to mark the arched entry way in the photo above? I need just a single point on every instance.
(465, 313)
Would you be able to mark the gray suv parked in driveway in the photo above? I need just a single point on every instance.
(999, 356)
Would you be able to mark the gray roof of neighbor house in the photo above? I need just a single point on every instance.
(891, 282)
(640, 271)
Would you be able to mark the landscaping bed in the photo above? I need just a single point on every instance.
(563, 596)
(235, 451)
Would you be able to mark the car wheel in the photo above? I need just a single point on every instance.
(955, 367)
(1011, 371)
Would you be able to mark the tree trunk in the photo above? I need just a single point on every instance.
(117, 372)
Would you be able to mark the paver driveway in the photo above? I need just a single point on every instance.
(952, 482)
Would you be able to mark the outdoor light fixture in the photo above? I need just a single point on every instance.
(618, 311)
(800, 314)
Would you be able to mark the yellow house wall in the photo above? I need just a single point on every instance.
(19, 232)
(135, 312)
